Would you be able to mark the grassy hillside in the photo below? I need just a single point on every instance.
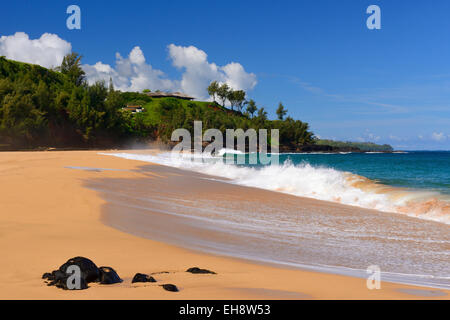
(153, 114)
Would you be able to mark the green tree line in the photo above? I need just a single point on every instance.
(57, 108)
(174, 114)
(363, 146)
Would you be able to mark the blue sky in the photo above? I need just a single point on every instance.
(317, 57)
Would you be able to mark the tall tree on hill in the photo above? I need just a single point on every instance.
(239, 99)
(251, 107)
(281, 111)
(223, 93)
(111, 85)
(71, 66)
(232, 98)
(213, 88)
(236, 98)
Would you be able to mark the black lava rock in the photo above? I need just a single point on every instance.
(197, 270)
(89, 271)
(140, 277)
(170, 287)
(60, 277)
(108, 276)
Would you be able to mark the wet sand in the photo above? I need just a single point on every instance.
(49, 213)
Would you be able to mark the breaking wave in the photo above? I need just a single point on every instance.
(320, 183)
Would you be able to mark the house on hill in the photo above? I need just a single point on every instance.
(134, 109)
(178, 95)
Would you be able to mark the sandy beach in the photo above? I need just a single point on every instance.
(48, 215)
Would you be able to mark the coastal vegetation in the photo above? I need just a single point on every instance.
(58, 108)
(45, 108)
(363, 146)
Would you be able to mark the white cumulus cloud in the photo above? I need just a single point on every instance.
(130, 74)
(47, 51)
(438, 136)
(198, 72)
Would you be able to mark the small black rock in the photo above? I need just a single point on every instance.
(47, 275)
(141, 277)
(197, 270)
(108, 276)
(170, 287)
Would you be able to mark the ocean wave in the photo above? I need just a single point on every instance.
(320, 183)
(229, 151)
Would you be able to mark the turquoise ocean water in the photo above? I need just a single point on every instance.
(426, 170)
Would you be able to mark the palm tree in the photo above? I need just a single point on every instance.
(251, 107)
(281, 111)
(262, 114)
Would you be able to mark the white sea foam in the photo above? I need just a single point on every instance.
(304, 180)
(228, 151)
